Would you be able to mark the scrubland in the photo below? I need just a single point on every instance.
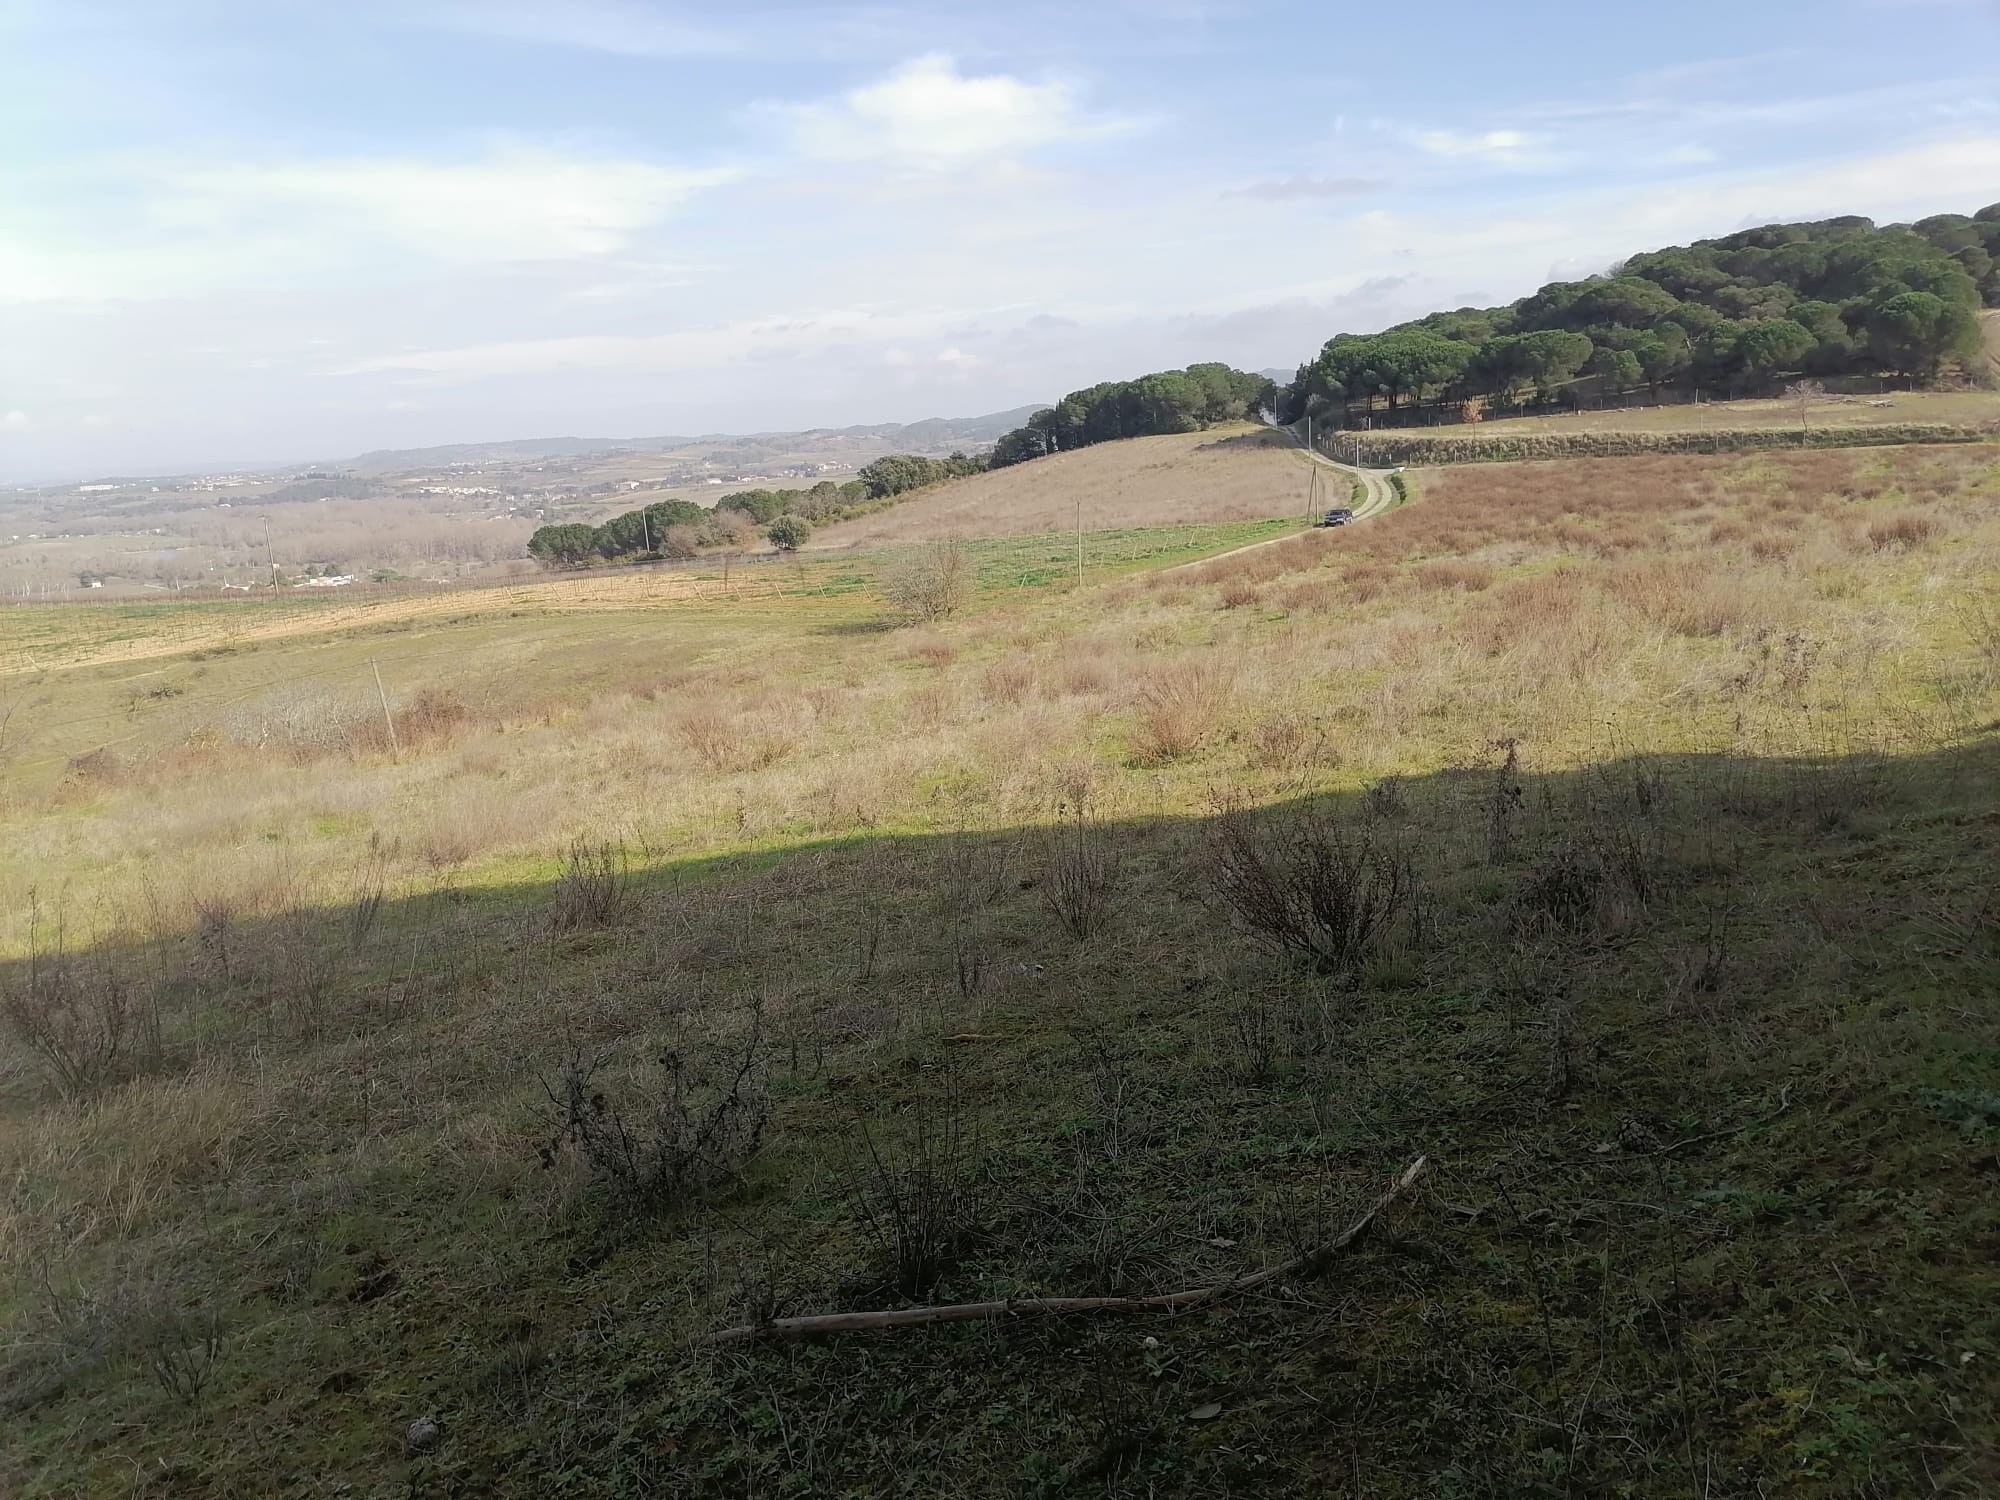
(1617, 835)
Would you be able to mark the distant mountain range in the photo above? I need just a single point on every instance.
(933, 434)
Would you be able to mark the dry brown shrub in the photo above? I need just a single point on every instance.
(1729, 529)
(1308, 598)
(1470, 577)
(712, 733)
(436, 716)
(1178, 709)
(1901, 532)
(723, 741)
(1239, 595)
(934, 705)
(1365, 581)
(1768, 545)
(939, 653)
(1681, 596)
(1291, 740)
(1007, 681)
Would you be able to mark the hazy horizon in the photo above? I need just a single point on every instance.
(238, 234)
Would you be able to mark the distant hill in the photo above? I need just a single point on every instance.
(933, 434)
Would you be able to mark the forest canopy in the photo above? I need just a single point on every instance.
(1837, 297)
(1172, 401)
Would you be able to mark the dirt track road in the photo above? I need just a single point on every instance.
(1380, 496)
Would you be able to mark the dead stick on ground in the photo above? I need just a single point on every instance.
(974, 1312)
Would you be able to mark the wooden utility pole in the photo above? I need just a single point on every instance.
(271, 557)
(388, 719)
(1079, 541)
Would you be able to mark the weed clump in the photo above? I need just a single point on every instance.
(1078, 882)
(593, 889)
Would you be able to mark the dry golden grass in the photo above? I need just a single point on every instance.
(1228, 474)
(1532, 598)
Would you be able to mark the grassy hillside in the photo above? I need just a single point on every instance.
(779, 964)
(1225, 474)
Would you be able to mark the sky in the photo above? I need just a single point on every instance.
(261, 231)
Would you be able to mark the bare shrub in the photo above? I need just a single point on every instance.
(921, 1200)
(1901, 532)
(712, 733)
(1007, 681)
(1178, 708)
(435, 716)
(974, 873)
(700, 1121)
(593, 888)
(1291, 740)
(82, 1018)
(1308, 886)
(181, 1352)
(305, 720)
(929, 583)
(1080, 873)
(1239, 594)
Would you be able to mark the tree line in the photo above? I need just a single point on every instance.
(1171, 401)
(680, 529)
(1837, 297)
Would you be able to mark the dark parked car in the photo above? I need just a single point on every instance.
(1337, 517)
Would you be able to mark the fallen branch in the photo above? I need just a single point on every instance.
(975, 1312)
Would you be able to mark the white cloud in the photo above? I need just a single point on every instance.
(191, 229)
(14, 421)
(750, 340)
(928, 114)
(525, 205)
(1501, 148)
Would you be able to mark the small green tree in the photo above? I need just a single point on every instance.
(789, 533)
(563, 546)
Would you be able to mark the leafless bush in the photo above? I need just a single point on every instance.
(974, 872)
(1503, 802)
(712, 733)
(593, 889)
(1563, 890)
(1385, 798)
(306, 720)
(1307, 885)
(181, 1351)
(929, 583)
(921, 1201)
(83, 1018)
(702, 1120)
(1080, 873)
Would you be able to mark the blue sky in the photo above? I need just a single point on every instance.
(236, 231)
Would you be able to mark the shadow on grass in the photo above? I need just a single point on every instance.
(1697, 1044)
